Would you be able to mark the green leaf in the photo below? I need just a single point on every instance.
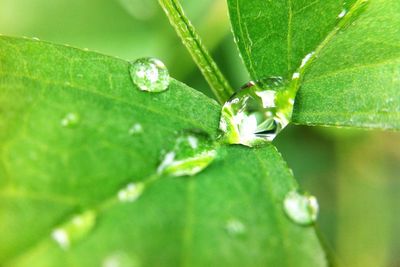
(353, 78)
(229, 215)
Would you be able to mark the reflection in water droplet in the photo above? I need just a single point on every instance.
(135, 129)
(70, 120)
(74, 229)
(192, 153)
(131, 192)
(149, 74)
(235, 227)
(257, 113)
(301, 209)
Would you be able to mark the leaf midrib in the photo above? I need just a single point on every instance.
(327, 40)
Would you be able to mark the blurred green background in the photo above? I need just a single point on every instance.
(355, 174)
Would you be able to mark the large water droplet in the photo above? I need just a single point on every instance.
(257, 113)
(131, 192)
(192, 153)
(70, 120)
(302, 209)
(149, 74)
(235, 227)
(74, 229)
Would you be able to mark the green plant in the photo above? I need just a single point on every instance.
(68, 148)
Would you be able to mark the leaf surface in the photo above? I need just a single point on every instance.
(353, 79)
(49, 172)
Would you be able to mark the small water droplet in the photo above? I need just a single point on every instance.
(342, 14)
(149, 74)
(235, 227)
(135, 129)
(74, 229)
(120, 259)
(70, 120)
(131, 192)
(257, 112)
(192, 153)
(301, 209)
(306, 59)
(296, 75)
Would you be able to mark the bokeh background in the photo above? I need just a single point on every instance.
(354, 173)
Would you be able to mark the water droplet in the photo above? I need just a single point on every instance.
(302, 209)
(135, 129)
(235, 227)
(192, 153)
(74, 229)
(61, 237)
(306, 59)
(149, 74)
(120, 259)
(131, 192)
(342, 14)
(296, 75)
(71, 119)
(257, 112)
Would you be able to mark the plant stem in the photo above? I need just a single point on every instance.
(185, 30)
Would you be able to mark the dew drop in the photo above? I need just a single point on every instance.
(256, 113)
(70, 120)
(135, 129)
(120, 259)
(192, 153)
(342, 14)
(235, 227)
(306, 59)
(149, 74)
(301, 209)
(61, 237)
(74, 229)
(296, 75)
(131, 192)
